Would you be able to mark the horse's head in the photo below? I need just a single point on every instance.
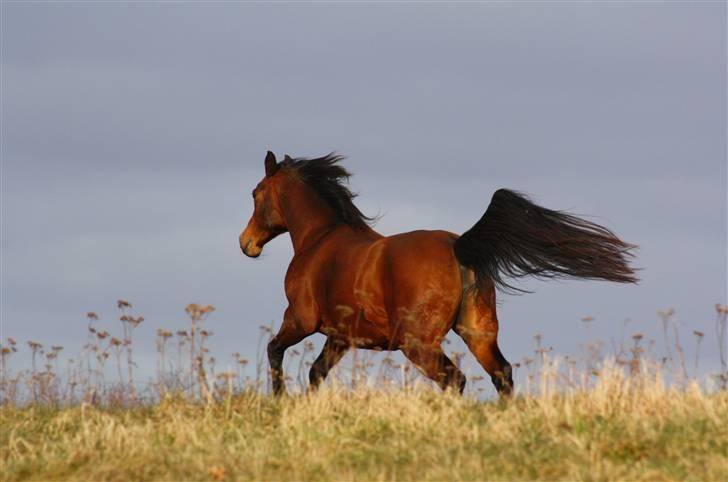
(267, 220)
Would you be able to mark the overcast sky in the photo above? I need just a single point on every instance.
(133, 134)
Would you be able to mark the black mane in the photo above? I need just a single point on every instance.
(325, 176)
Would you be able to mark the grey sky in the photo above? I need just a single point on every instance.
(133, 135)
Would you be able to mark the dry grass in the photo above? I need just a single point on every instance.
(622, 428)
(575, 420)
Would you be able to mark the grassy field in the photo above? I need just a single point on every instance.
(619, 429)
(631, 418)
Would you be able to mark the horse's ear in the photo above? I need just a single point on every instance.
(271, 165)
(287, 158)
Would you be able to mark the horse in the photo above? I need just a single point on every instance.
(405, 292)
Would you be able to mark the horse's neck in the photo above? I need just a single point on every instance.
(308, 217)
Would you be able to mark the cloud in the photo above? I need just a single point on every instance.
(132, 136)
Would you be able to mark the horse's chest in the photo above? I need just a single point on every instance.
(347, 292)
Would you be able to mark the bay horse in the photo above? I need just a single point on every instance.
(407, 291)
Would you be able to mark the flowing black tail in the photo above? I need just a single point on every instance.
(516, 238)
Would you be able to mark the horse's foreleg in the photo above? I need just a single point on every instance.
(330, 355)
(287, 336)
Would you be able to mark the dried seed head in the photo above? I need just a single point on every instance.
(666, 313)
(216, 472)
(197, 312)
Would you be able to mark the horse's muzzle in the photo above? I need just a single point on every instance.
(249, 247)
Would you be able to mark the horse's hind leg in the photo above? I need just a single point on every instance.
(330, 355)
(477, 324)
(435, 365)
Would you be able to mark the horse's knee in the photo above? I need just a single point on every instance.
(275, 353)
(275, 358)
